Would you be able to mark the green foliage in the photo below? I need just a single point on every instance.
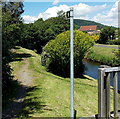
(106, 34)
(95, 37)
(36, 35)
(104, 55)
(11, 12)
(114, 42)
(56, 54)
(117, 56)
(50, 94)
(11, 20)
(81, 22)
(29, 36)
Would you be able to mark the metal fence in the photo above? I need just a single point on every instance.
(104, 74)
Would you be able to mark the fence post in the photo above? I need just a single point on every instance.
(101, 106)
(107, 94)
(115, 77)
(104, 91)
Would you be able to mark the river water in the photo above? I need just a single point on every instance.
(92, 71)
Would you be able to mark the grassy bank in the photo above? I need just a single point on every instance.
(103, 55)
(50, 95)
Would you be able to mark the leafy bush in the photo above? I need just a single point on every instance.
(117, 56)
(56, 54)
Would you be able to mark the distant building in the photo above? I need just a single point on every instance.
(90, 29)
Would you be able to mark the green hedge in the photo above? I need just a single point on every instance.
(56, 54)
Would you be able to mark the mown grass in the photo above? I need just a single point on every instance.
(103, 55)
(50, 96)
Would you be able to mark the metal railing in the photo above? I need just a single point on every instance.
(104, 74)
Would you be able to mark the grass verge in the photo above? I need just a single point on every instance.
(103, 55)
(50, 96)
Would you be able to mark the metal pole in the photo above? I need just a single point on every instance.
(71, 65)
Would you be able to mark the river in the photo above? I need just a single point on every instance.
(92, 71)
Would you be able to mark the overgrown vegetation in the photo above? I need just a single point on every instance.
(56, 54)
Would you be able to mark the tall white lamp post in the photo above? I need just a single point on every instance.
(71, 64)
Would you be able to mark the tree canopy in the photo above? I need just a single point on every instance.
(107, 33)
(40, 32)
(11, 19)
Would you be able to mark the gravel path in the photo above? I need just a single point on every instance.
(25, 79)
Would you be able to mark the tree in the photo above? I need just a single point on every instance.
(11, 20)
(41, 32)
(106, 34)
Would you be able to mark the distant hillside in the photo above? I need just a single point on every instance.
(80, 22)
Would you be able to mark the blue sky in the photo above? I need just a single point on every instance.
(102, 12)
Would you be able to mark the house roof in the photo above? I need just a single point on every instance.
(88, 28)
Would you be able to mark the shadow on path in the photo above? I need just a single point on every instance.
(15, 104)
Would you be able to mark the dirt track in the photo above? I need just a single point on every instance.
(26, 80)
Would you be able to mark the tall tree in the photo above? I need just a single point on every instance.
(11, 19)
(106, 34)
(41, 32)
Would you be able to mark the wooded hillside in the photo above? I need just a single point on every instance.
(81, 22)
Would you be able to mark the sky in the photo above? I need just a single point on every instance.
(102, 12)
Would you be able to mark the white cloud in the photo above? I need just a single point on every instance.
(55, 2)
(109, 18)
(52, 12)
(81, 11)
(29, 19)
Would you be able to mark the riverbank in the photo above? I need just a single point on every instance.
(103, 55)
(50, 95)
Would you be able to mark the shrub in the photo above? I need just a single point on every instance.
(56, 54)
(117, 56)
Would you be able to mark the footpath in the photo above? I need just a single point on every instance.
(25, 79)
